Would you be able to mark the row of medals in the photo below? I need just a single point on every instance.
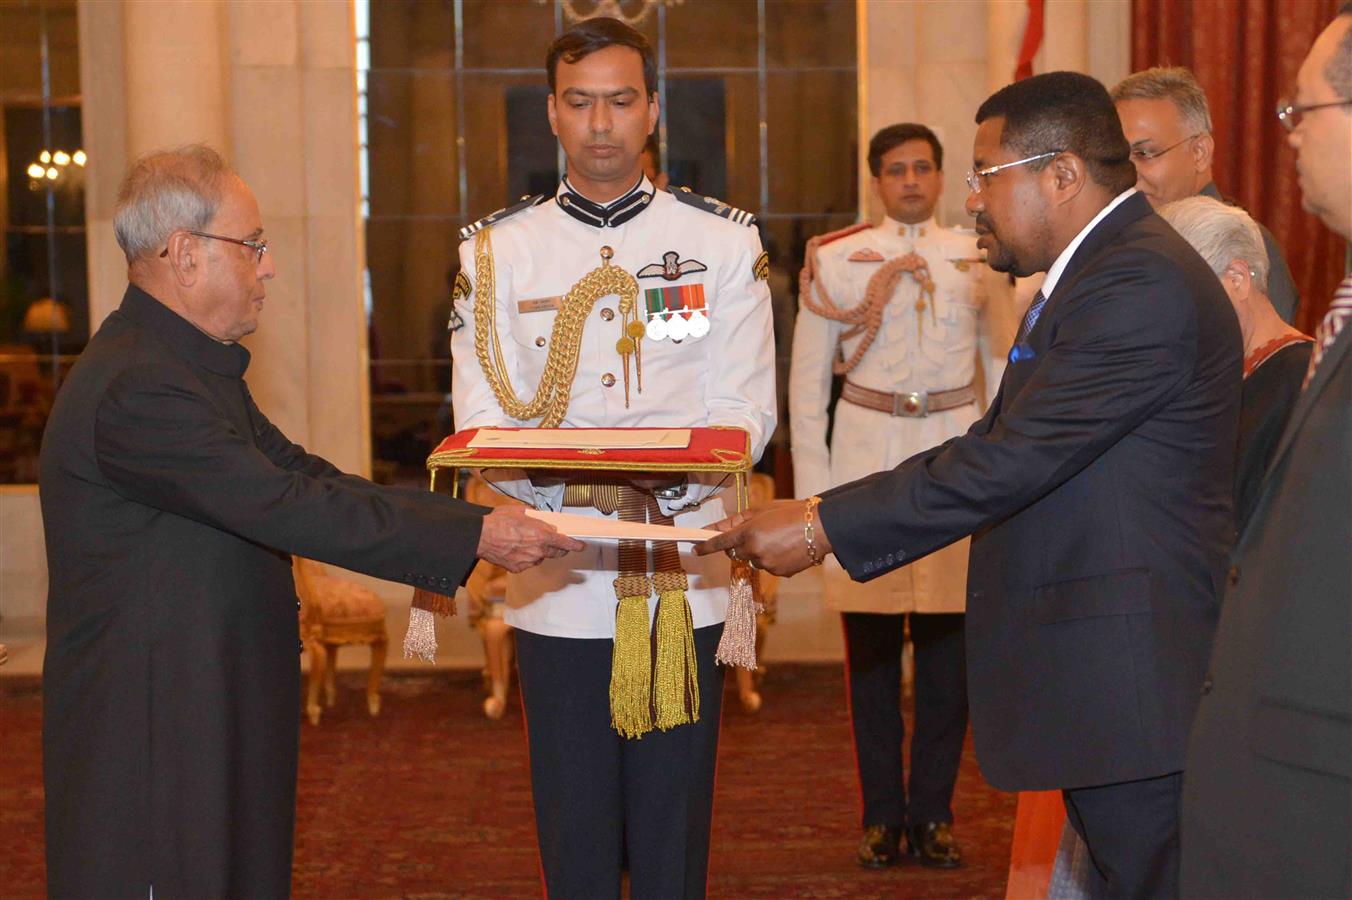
(675, 326)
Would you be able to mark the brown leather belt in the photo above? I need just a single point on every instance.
(916, 404)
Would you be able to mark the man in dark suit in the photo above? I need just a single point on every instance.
(171, 504)
(1097, 487)
(1267, 803)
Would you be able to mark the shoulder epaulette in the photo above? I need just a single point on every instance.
(505, 213)
(713, 205)
(836, 235)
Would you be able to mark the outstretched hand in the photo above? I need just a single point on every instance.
(515, 541)
(770, 538)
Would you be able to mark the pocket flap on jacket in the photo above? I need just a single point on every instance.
(1303, 738)
(1113, 594)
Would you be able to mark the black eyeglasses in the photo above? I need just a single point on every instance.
(259, 247)
(1144, 155)
(1289, 114)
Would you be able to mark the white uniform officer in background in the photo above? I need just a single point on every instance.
(899, 310)
(705, 357)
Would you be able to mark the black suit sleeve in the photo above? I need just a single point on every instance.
(1122, 346)
(161, 444)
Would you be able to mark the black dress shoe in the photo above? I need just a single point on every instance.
(880, 847)
(933, 845)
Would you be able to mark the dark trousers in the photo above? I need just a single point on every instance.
(1131, 830)
(598, 794)
(873, 669)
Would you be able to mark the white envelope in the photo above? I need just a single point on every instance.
(596, 527)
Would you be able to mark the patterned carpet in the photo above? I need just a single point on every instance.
(431, 800)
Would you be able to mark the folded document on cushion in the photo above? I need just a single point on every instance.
(580, 438)
(607, 528)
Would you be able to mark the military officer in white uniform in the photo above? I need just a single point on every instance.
(899, 310)
(705, 358)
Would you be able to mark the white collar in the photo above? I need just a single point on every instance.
(1054, 273)
(918, 230)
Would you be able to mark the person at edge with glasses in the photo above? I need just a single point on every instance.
(1167, 121)
(908, 385)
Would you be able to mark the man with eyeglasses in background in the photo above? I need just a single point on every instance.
(1267, 805)
(1167, 121)
(171, 505)
(1097, 487)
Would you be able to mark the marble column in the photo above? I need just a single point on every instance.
(272, 85)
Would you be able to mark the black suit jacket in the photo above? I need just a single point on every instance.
(1267, 798)
(171, 687)
(1098, 488)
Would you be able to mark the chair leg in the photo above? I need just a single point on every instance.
(746, 690)
(378, 649)
(497, 636)
(318, 665)
(330, 688)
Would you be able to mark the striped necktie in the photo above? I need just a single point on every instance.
(1030, 317)
(1340, 310)
(1021, 349)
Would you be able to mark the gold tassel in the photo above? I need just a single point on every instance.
(737, 647)
(420, 639)
(676, 688)
(631, 666)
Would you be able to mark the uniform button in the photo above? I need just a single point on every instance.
(297, 604)
(1206, 684)
(607, 313)
(1232, 578)
(608, 380)
(540, 342)
(302, 646)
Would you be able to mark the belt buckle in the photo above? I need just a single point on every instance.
(913, 405)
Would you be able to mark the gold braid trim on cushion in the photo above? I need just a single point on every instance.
(550, 402)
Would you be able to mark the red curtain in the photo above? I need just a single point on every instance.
(1246, 54)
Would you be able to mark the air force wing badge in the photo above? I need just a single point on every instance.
(671, 267)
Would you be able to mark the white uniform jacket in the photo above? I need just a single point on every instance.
(725, 377)
(934, 349)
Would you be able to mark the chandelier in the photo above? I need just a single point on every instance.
(631, 12)
(56, 168)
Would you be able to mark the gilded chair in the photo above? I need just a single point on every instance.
(761, 491)
(335, 612)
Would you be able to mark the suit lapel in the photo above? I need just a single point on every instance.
(1103, 235)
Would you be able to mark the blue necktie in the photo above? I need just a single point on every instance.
(1021, 348)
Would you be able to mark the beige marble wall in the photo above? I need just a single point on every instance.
(935, 61)
(272, 84)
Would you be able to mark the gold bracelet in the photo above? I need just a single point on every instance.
(809, 533)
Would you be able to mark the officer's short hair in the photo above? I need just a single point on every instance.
(590, 35)
(1220, 233)
(1174, 83)
(894, 136)
(1067, 112)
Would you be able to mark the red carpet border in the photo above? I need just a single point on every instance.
(431, 800)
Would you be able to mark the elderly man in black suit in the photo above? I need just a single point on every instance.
(1097, 488)
(1267, 803)
(171, 505)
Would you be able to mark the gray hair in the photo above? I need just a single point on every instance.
(164, 192)
(1175, 83)
(1220, 233)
